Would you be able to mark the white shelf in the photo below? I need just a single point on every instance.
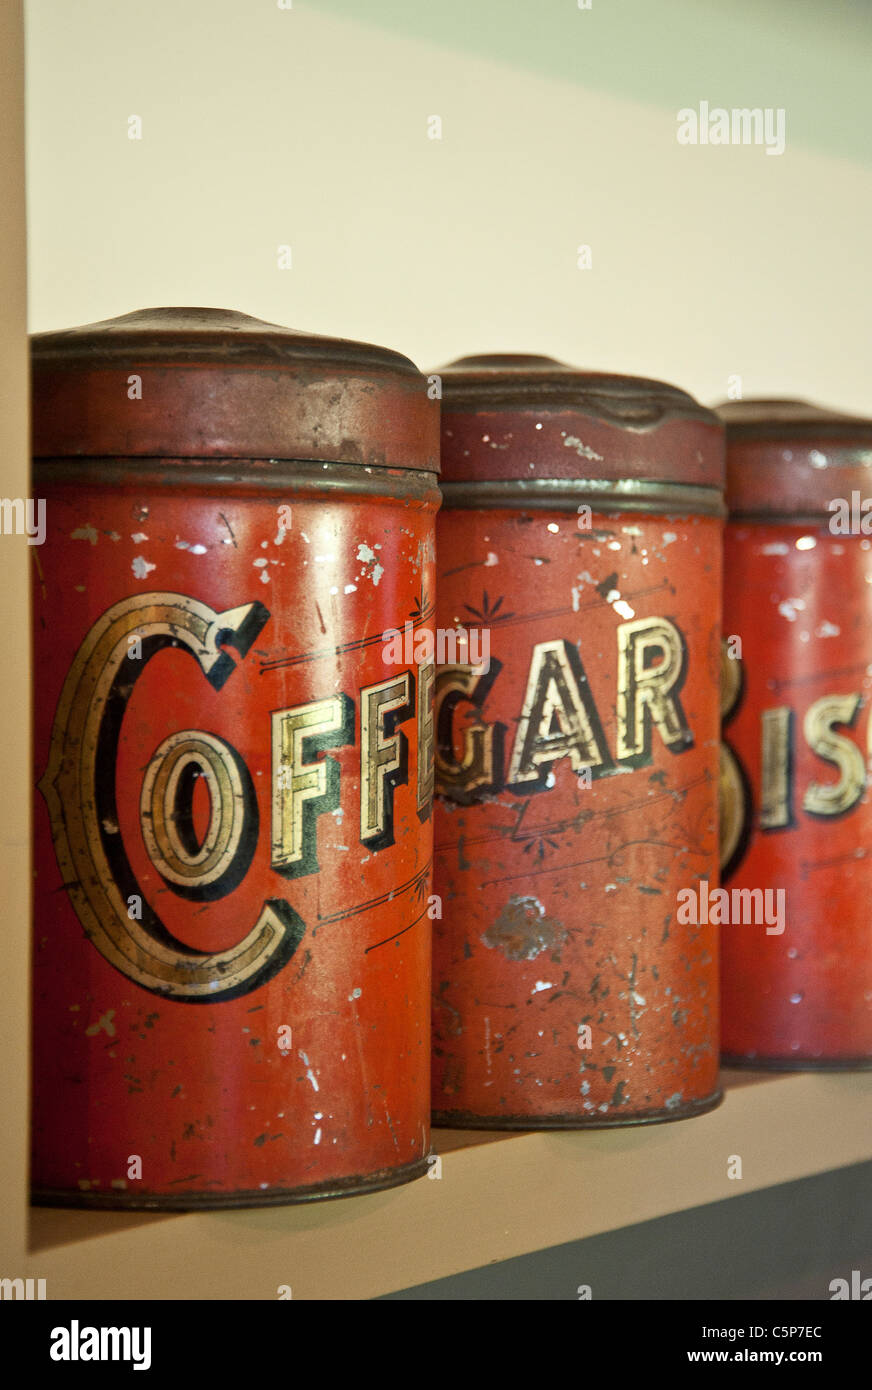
(500, 1195)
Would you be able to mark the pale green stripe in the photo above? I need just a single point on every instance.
(812, 57)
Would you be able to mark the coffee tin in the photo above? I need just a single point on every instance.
(233, 818)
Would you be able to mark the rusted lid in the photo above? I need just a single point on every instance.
(510, 416)
(787, 457)
(212, 383)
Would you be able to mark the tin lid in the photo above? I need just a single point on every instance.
(792, 458)
(180, 383)
(508, 416)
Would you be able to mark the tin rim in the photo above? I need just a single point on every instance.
(815, 521)
(443, 1119)
(605, 495)
(214, 1201)
(263, 476)
(729, 1059)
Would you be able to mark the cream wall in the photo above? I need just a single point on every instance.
(16, 558)
(308, 127)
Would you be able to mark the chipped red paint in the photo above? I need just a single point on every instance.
(566, 992)
(231, 977)
(797, 993)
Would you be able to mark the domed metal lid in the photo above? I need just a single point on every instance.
(790, 457)
(512, 416)
(211, 383)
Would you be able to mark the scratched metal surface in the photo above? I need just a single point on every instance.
(232, 822)
(574, 799)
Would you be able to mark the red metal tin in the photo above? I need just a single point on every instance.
(233, 827)
(577, 775)
(797, 988)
